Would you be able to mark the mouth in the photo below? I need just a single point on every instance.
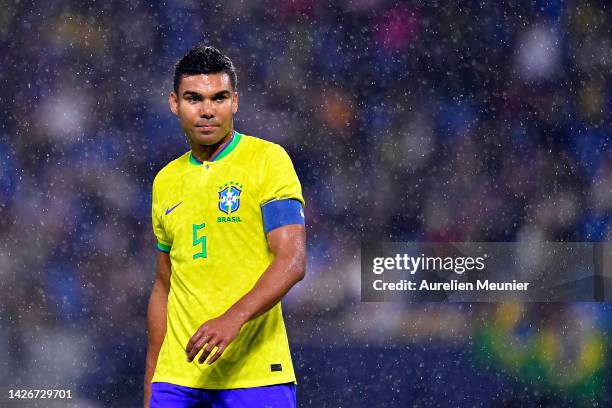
(206, 127)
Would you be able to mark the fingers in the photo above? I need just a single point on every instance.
(220, 350)
(197, 346)
(207, 350)
(197, 343)
(214, 334)
(194, 339)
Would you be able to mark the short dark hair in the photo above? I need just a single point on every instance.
(204, 59)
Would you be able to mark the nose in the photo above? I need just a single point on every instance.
(207, 109)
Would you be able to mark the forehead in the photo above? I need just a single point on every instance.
(205, 83)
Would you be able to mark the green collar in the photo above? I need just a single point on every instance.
(222, 153)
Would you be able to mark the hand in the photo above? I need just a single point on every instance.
(218, 332)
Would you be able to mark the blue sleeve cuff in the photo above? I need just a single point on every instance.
(278, 213)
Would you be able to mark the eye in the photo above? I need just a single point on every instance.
(220, 98)
(191, 99)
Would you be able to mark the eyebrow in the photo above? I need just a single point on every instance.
(199, 95)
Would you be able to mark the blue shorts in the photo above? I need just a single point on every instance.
(177, 396)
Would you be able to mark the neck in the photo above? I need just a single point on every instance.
(205, 153)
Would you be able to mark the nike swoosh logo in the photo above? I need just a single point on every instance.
(169, 210)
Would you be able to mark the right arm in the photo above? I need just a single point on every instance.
(156, 319)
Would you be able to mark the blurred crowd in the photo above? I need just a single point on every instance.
(435, 121)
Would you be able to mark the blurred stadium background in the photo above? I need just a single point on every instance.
(436, 121)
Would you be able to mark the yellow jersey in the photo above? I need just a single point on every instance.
(208, 217)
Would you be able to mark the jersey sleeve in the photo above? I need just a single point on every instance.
(280, 181)
(163, 243)
(281, 198)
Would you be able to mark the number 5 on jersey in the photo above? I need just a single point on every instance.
(201, 240)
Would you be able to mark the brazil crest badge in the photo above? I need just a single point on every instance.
(229, 197)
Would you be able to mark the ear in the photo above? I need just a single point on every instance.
(173, 102)
(235, 103)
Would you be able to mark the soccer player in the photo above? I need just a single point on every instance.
(229, 221)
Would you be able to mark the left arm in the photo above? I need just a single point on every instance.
(288, 245)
